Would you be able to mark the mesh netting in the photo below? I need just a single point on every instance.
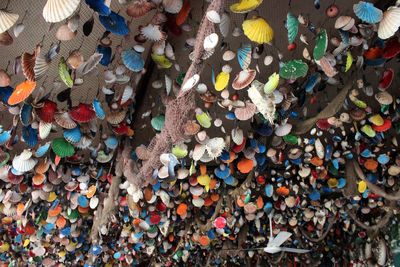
(180, 110)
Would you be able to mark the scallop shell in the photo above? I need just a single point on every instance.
(172, 6)
(58, 10)
(44, 129)
(7, 20)
(228, 55)
(64, 120)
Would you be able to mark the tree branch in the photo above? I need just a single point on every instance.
(377, 227)
(327, 112)
(374, 188)
(324, 234)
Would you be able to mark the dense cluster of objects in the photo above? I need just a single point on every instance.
(239, 164)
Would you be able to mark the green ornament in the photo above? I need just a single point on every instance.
(292, 27)
(293, 69)
(321, 44)
(180, 78)
(158, 122)
(290, 139)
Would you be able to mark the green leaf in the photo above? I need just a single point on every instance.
(64, 74)
(322, 44)
(293, 69)
(292, 27)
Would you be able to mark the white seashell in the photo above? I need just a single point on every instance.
(18, 29)
(236, 32)
(213, 16)
(109, 76)
(237, 136)
(94, 201)
(283, 130)
(24, 162)
(303, 38)
(172, 6)
(228, 55)
(201, 88)
(224, 25)
(217, 122)
(319, 148)
(186, 27)
(41, 66)
(191, 82)
(58, 10)
(7, 20)
(120, 70)
(226, 68)
(225, 93)
(158, 48)
(198, 152)
(14, 110)
(169, 51)
(268, 60)
(139, 48)
(306, 54)
(210, 42)
(44, 129)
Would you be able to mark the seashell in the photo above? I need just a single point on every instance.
(18, 29)
(384, 98)
(58, 10)
(172, 6)
(283, 130)
(6, 39)
(5, 79)
(64, 33)
(224, 25)
(73, 23)
(41, 66)
(303, 38)
(306, 54)
(24, 162)
(138, 8)
(213, 16)
(7, 20)
(75, 59)
(228, 55)
(64, 120)
(169, 51)
(342, 21)
(210, 42)
(319, 148)
(152, 32)
(268, 60)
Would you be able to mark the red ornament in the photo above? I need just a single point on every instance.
(82, 113)
(291, 47)
(46, 113)
(121, 128)
(332, 11)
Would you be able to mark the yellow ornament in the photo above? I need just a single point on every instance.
(26, 242)
(362, 186)
(204, 180)
(272, 83)
(5, 247)
(52, 197)
(161, 61)
(221, 81)
(245, 6)
(258, 30)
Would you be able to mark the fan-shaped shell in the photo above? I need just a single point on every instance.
(367, 12)
(24, 162)
(389, 23)
(58, 10)
(41, 66)
(153, 33)
(5, 39)
(172, 6)
(64, 120)
(138, 8)
(243, 79)
(224, 25)
(7, 20)
(28, 64)
(258, 30)
(44, 129)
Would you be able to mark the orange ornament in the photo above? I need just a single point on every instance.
(260, 202)
(316, 161)
(61, 221)
(371, 164)
(183, 13)
(283, 191)
(245, 165)
(204, 240)
(22, 92)
(181, 209)
(55, 211)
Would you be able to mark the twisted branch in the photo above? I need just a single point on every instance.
(374, 188)
(331, 220)
(327, 112)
